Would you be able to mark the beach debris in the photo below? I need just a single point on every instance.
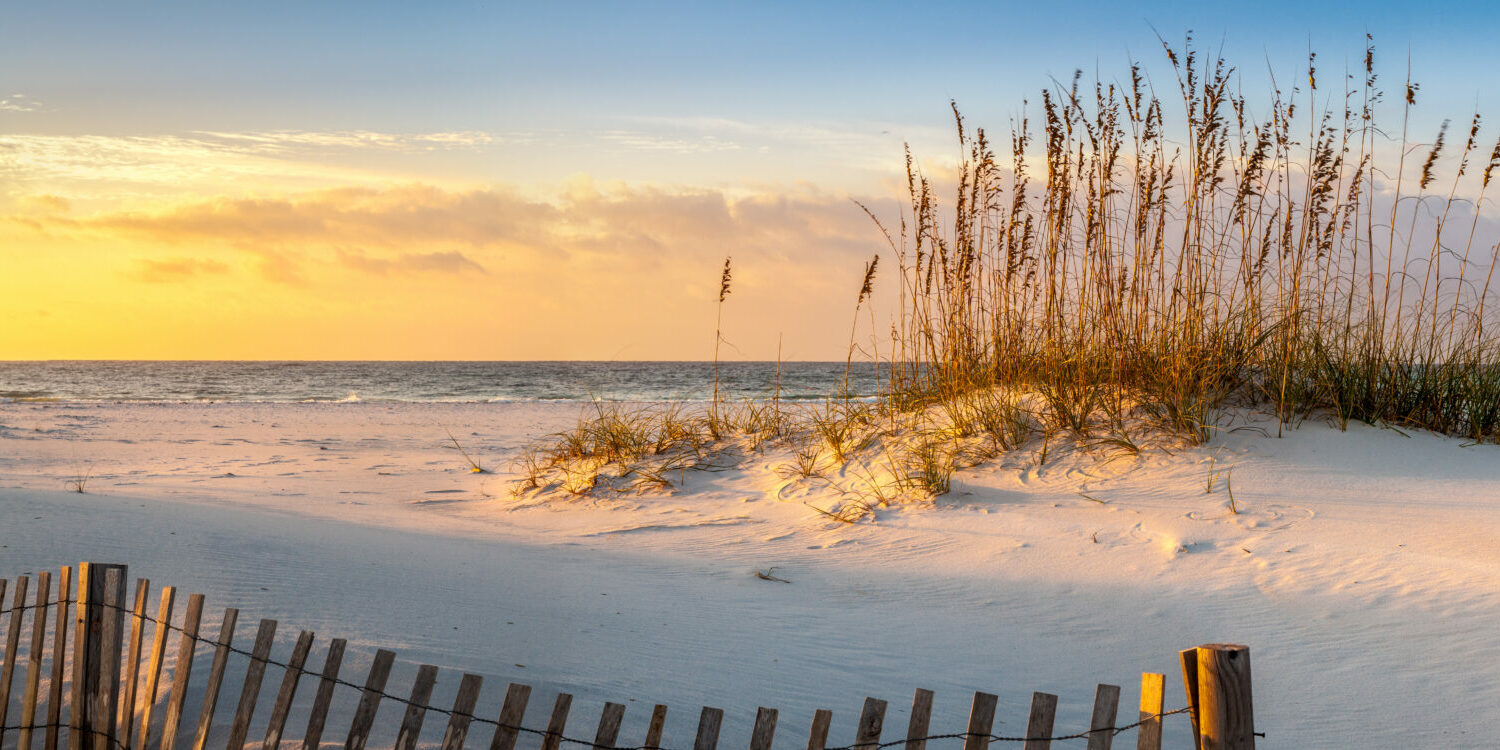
(474, 466)
(769, 575)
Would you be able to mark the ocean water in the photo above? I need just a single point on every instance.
(421, 381)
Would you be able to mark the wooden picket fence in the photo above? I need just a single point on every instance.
(112, 704)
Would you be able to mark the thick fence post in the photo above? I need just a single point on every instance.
(1226, 719)
(101, 634)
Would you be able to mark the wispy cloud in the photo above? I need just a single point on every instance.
(869, 144)
(444, 262)
(18, 103)
(644, 141)
(175, 269)
(285, 141)
(213, 158)
(428, 229)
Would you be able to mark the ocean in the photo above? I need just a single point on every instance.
(293, 382)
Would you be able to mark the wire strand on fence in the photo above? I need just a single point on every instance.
(114, 741)
(1113, 730)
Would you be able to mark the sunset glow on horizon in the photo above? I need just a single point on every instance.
(512, 183)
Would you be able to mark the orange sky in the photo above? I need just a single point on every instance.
(416, 271)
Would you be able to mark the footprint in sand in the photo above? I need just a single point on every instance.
(1275, 517)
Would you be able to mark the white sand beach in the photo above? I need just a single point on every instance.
(1362, 568)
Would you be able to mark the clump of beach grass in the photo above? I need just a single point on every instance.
(1234, 254)
(80, 481)
(1133, 268)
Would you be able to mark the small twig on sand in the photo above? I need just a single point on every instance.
(474, 465)
(765, 575)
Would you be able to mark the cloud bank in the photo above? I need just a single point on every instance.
(590, 271)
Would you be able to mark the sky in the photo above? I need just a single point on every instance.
(504, 181)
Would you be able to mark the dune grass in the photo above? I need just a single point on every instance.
(1168, 267)
(1123, 277)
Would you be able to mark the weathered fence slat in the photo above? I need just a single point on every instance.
(981, 718)
(655, 727)
(511, 714)
(182, 671)
(107, 624)
(76, 707)
(3, 583)
(416, 708)
(12, 642)
(1039, 722)
(133, 661)
(59, 656)
(215, 677)
(1225, 713)
(921, 717)
(558, 722)
(871, 721)
(34, 658)
(609, 724)
(817, 734)
(463, 712)
(1102, 724)
(708, 729)
(765, 729)
(153, 670)
(288, 691)
(319, 714)
(369, 702)
(1153, 693)
(1189, 658)
(265, 636)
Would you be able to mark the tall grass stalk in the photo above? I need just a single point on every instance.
(866, 288)
(725, 279)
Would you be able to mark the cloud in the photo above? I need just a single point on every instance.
(172, 161)
(43, 204)
(162, 161)
(871, 145)
(283, 141)
(579, 271)
(175, 269)
(604, 235)
(640, 141)
(583, 216)
(445, 262)
(18, 103)
(394, 218)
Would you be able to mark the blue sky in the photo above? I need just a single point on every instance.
(481, 66)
